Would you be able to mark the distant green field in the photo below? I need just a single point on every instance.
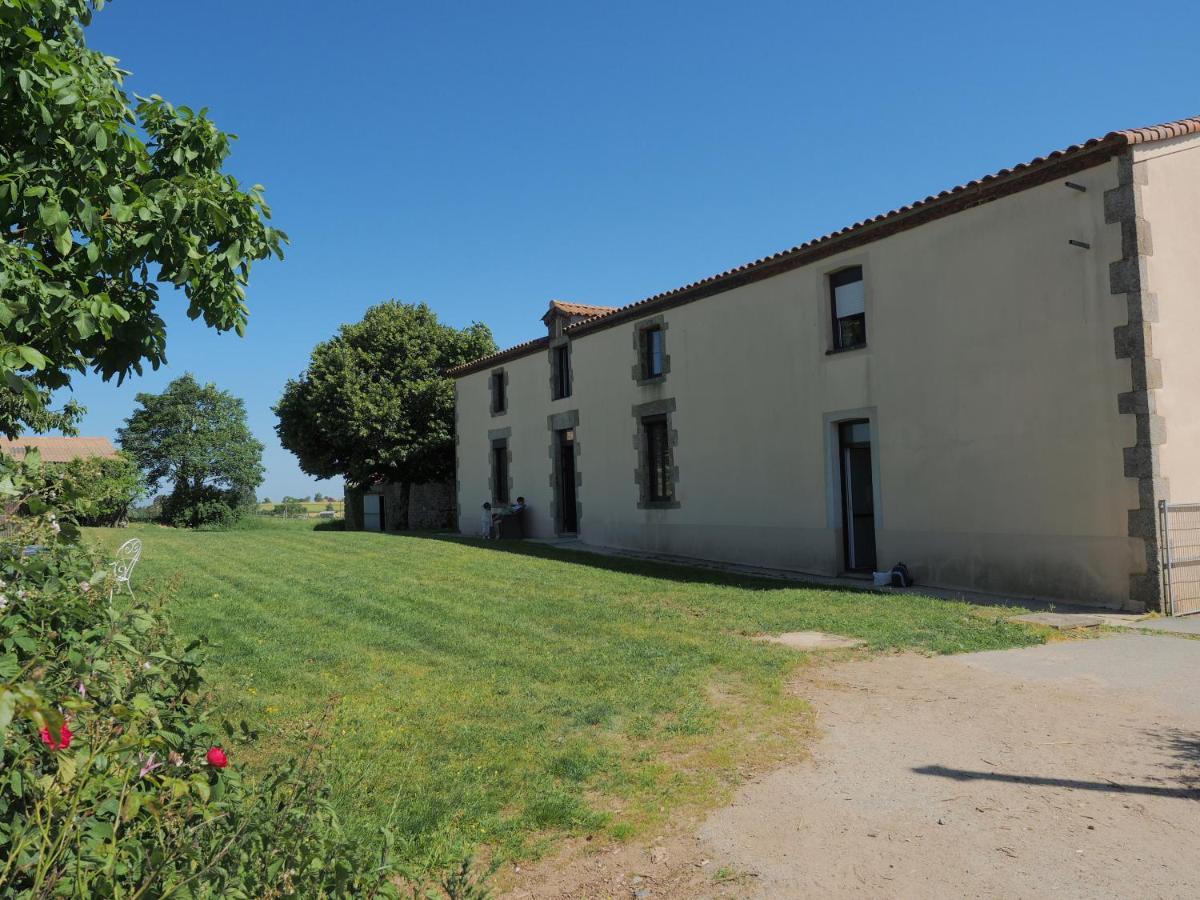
(312, 507)
(500, 695)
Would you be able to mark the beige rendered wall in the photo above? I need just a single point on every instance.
(990, 381)
(1171, 204)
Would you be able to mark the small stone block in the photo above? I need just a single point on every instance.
(811, 640)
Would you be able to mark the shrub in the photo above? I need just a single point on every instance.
(101, 489)
(115, 780)
(208, 508)
(290, 509)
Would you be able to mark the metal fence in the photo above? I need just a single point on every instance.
(1179, 524)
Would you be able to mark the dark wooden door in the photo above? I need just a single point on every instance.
(568, 517)
(858, 496)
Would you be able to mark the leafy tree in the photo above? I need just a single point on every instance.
(375, 401)
(195, 438)
(265, 500)
(103, 198)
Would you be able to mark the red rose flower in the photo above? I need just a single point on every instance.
(64, 738)
(216, 757)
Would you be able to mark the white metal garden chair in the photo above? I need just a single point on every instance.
(127, 557)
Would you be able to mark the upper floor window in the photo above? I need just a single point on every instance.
(561, 360)
(652, 351)
(848, 303)
(499, 393)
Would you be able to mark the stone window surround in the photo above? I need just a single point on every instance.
(556, 342)
(641, 475)
(497, 436)
(557, 422)
(639, 356)
(492, 392)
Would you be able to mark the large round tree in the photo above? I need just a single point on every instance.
(195, 438)
(375, 402)
(103, 198)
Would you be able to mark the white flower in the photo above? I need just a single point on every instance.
(3, 601)
(84, 586)
(55, 527)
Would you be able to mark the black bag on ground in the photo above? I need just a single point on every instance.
(900, 576)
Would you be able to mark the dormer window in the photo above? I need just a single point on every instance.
(560, 359)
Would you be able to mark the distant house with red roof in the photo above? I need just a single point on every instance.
(59, 449)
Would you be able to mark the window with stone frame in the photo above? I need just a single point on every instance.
(561, 361)
(660, 487)
(847, 301)
(500, 472)
(653, 340)
(498, 386)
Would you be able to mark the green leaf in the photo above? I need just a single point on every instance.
(32, 33)
(101, 139)
(67, 99)
(32, 357)
(24, 80)
(84, 326)
(63, 242)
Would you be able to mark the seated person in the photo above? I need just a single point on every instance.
(511, 522)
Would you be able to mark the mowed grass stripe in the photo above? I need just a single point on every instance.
(502, 695)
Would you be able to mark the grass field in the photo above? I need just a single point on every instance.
(312, 507)
(499, 695)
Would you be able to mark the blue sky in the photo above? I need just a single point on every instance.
(487, 157)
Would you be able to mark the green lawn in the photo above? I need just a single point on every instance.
(499, 695)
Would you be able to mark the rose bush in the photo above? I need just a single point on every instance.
(113, 781)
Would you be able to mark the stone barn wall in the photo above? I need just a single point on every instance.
(432, 506)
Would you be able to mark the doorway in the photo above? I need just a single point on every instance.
(568, 516)
(858, 496)
(372, 512)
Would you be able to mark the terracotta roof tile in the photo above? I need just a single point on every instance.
(580, 309)
(59, 449)
(1010, 180)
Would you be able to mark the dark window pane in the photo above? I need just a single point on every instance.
(500, 473)
(499, 401)
(562, 372)
(652, 350)
(852, 331)
(658, 459)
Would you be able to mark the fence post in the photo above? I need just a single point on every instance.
(1164, 520)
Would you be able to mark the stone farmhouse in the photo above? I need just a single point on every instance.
(998, 385)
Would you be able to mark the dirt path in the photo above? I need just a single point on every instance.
(1071, 770)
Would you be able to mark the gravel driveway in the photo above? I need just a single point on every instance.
(1067, 770)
